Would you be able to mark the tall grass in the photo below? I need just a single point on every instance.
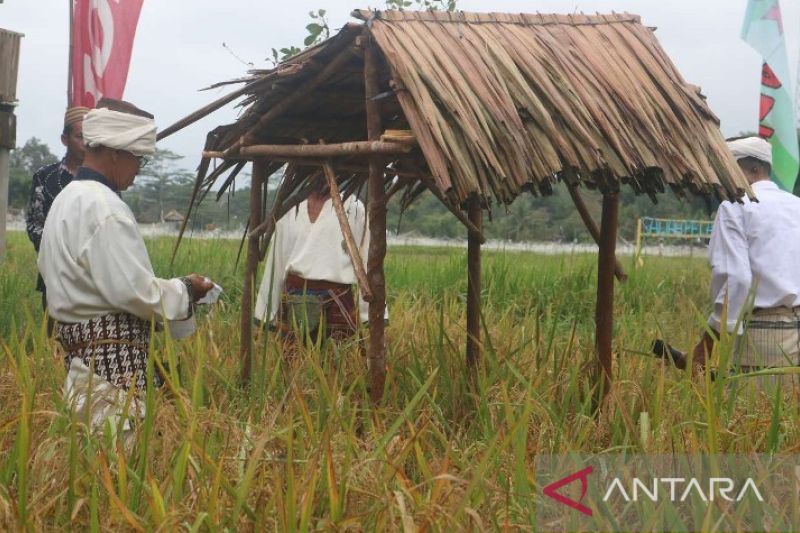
(303, 449)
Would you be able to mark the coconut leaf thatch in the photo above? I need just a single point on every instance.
(498, 104)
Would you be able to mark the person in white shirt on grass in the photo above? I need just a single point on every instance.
(101, 289)
(754, 254)
(308, 278)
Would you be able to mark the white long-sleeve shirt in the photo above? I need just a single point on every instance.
(755, 243)
(312, 250)
(94, 261)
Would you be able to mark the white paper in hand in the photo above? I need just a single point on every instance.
(180, 329)
(212, 295)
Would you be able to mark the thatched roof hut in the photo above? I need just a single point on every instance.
(503, 103)
(489, 106)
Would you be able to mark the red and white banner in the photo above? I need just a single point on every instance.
(102, 40)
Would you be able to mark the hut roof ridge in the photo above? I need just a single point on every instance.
(470, 17)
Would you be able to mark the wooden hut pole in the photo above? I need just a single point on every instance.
(246, 345)
(377, 230)
(591, 226)
(475, 214)
(604, 312)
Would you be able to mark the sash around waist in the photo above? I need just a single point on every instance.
(297, 283)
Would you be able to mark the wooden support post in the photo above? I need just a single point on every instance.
(347, 233)
(5, 157)
(604, 311)
(377, 230)
(475, 214)
(248, 292)
(591, 226)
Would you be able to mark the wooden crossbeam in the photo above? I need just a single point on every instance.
(326, 150)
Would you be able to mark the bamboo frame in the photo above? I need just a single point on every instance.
(347, 232)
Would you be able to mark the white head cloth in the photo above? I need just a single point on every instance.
(751, 147)
(122, 131)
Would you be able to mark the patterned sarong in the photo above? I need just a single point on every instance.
(771, 339)
(308, 304)
(114, 345)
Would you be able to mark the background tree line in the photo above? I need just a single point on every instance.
(165, 184)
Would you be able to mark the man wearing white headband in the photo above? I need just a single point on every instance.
(755, 253)
(50, 180)
(101, 288)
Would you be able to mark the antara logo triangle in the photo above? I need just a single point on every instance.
(550, 490)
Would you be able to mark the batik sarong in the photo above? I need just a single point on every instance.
(115, 346)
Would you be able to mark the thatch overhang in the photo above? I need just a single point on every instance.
(499, 104)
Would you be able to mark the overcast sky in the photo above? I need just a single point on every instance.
(179, 50)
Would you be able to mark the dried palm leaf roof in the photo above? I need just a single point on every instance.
(503, 103)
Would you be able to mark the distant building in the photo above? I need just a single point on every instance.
(174, 219)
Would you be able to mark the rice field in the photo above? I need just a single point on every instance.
(303, 449)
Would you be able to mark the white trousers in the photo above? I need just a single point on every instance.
(100, 404)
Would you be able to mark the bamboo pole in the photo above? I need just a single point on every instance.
(604, 311)
(377, 230)
(474, 285)
(246, 345)
(210, 108)
(591, 226)
(326, 150)
(347, 232)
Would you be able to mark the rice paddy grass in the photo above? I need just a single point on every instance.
(301, 448)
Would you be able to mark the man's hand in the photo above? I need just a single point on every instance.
(200, 286)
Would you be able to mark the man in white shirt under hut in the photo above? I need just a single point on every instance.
(309, 279)
(101, 289)
(755, 246)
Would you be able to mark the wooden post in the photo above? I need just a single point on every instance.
(591, 226)
(475, 214)
(246, 346)
(4, 179)
(604, 312)
(377, 230)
